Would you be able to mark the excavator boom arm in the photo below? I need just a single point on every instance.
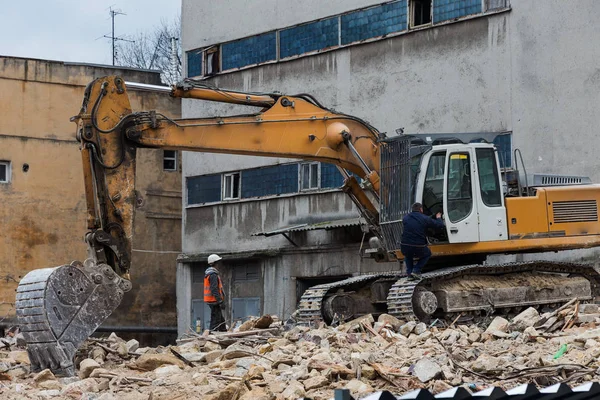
(287, 126)
(58, 308)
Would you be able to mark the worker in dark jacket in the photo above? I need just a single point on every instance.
(214, 295)
(414, 239)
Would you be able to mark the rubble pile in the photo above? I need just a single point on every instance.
(262, 360)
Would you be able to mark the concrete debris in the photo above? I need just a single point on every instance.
(524, 320)
(426, 369)
(390, 321)
(86, 367)
(361, 355)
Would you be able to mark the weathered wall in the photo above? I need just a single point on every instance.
(42, 211)
(208, 22)
(237, 221)
(530, 70)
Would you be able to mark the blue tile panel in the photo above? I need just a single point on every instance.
(504, 145)
(444, 10)
(194, 63)
(373, 22)
(204, 189)
(330, 176)
(252, 50)
(309, 37)
(270, 181)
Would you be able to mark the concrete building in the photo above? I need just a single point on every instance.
(524, 70)
(42, 204)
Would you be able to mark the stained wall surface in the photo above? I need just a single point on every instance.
(528, 68)
(42, 207)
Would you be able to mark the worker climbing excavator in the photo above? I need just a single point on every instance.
(58, 308)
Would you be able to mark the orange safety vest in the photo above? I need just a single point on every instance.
(208, 296)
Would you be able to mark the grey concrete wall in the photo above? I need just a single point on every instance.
(228, 227)
(532, 70)
(209, 22)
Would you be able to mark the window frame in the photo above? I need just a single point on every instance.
(496, 176)
(447, 178)
(310, 176)
(237, 271)
(7, 164)
(436, 160)
(232, 186)
(209, 68)
(411, 14)
(167, 158)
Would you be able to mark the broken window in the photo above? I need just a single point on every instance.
(212, 60)
(309, 176)
(231, 186)
(169, 160)
(420, 12)
(4, 171)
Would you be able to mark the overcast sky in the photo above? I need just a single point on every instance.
(72, 30)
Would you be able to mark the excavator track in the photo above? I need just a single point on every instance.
(402, 301)
(310, 308)
(58, 308)
(413, 300)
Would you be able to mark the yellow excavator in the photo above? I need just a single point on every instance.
(58, 308)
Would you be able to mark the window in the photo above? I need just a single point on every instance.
(270, 181)
(203, 189)
(169, 160)
(420, 12)
(211, 60)
(309, 176)
(4, 171)
(491, 192)
(244, 307)
(251, 50)
(503, 144)
(433, 191)
(194, 63)
(246, 272)
(460, 198)
(372, 22)
(231, 186)
(331, 176)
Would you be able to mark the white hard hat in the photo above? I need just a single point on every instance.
(213, 258)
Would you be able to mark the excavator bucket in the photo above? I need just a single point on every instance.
(59, 308)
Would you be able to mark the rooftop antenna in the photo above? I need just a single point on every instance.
(113, 14)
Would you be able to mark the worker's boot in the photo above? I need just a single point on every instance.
(415, 276)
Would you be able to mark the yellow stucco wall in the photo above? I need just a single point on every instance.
(42, 210)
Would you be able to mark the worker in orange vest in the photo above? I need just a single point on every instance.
(214, 295)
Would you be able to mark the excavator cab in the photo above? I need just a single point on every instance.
(463, 182)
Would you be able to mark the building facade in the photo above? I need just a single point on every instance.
(42, 203)
(521, 70)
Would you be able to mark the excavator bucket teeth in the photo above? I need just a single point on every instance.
(59, 308)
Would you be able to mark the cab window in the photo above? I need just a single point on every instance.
(491, 193)
(460, 196)
(433, 191)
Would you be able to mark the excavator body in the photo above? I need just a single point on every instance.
(58, 308)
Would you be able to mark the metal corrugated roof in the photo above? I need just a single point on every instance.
(341, 223)
(559, 391)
